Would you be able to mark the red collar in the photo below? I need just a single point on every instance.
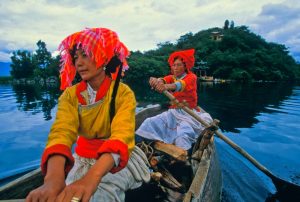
(82, 86)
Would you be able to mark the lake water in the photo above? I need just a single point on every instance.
(262, 118)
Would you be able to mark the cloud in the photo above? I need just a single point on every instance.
(141, 25)
(4, 57)
(280, 23)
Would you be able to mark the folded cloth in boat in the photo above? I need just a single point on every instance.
(174, 126)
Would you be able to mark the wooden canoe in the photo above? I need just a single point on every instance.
(206, 184)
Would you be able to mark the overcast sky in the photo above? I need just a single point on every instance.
(142, 24)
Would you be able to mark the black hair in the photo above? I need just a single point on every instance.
(72, 52)
(112, 65)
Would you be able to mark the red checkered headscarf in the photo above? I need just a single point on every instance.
(100, 44)
(187, 57)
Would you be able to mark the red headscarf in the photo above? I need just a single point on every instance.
(186, 55)
(100, 44)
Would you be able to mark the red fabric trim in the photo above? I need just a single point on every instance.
(88, 147)
(118, 147)
(169, 79)
(93, 148)
(82, 86)
(79, 88)
(59, 149)
(103, 88)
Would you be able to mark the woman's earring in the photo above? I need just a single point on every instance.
(104, 68)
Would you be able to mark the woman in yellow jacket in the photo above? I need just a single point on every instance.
(98, 114)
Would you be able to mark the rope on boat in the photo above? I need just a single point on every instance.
(147, 149)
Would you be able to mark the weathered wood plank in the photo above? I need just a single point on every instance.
(172, 150)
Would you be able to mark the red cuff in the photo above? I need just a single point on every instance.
(118, 147)
(59, 149)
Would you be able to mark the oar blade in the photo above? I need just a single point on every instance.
(286, 191)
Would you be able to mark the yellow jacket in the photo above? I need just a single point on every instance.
(91, 123)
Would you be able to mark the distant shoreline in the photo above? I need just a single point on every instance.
(5, 79)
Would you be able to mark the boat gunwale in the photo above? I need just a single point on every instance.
(206, 161)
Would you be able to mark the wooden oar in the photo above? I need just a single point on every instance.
(286, 191)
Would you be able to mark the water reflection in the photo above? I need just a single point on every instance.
(267, 115)
(36, 99)
(237, 104)
(145, 95)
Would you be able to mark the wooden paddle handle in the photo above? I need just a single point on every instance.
(221, 136)
(185, 108)
(244, 153)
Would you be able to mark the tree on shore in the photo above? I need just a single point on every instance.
(40, 63)
(22, 65)
(240, 55)
(42, 55)
(231, 24)
(226, 24)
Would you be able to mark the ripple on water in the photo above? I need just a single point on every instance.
(240, 182)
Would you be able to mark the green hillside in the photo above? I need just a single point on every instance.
(239, 55)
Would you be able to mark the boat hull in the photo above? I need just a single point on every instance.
(206, 184)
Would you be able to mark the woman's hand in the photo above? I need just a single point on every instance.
(85, 187)
(54, 181)
(47, 192)
(82, 189)
(160, 87)
(157, 84)
(153, 82)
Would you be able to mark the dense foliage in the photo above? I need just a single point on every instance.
(4, 79)
(238, 55)
(39, 64)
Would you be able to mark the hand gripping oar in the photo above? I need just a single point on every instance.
(286, 191)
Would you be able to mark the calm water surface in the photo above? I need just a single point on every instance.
(263, 118)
